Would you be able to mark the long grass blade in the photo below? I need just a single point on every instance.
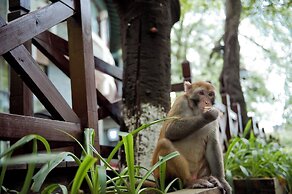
(78, 142)
(30, 171)
(134, 132)
(162, 171)
(247, 129)
(3, 170)
(29, 159)
(129, 152)
(107, 164)
(229, 150)
(102, 179)
(172, 182)
(89, 140)
(81, 173)
(51, 188)
(41, 175)
(25, 140)
(162, 160)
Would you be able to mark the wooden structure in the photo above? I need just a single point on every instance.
(75, 58)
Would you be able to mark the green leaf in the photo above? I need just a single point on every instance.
(247, 129)
(51, 188)
(30, 171)
(162, 172)
(172, 182)
(107, 164)
(244, 171)
(102, 178)
(129, 152)
(41, 175)
(82, 172)
(162, 160)
(72, 138)
(134, 132)
(89, 140)
(29, 159)
(25, 140)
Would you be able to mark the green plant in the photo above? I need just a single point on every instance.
(126, 181)
(254, 157)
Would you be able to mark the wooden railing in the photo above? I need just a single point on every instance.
(74, 58)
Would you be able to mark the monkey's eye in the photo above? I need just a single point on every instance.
(201, 92)
(211, 94)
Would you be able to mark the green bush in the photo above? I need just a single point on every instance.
(126, 181)
(257, 158)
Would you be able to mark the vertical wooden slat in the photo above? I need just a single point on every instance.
(226, 102)
(186, 70)
(82, 66)
(21, 100)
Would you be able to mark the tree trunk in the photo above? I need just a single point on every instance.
(229, 78)
(146, 26)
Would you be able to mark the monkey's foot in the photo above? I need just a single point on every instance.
(202, 183)
(214, 181)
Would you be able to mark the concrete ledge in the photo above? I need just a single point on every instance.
(198, 191)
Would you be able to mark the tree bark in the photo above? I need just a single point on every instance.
(229, 78)
(146, 26)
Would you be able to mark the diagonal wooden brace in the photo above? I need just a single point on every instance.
(25, 28)
(22, 62)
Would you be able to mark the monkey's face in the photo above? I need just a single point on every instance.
(207, 99)
(201, 94)
(203, 98)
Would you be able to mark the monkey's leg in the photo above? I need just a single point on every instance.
(176, 167)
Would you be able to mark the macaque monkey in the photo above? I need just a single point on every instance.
(194, 134)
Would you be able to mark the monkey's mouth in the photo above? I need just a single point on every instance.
(206, 108)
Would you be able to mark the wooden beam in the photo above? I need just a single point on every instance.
(179, 87)
(20, 98)
(106, 68)
(49, 44)
(23, 29)
(113, 109)
(82, 66)
(53, 49)
(16, 126)
(23, 63)
(49, 40)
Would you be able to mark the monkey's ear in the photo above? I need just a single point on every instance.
(187, 86)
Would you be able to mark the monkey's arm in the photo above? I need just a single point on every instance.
(182, 127)
(214, 157)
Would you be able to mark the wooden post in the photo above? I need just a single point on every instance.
(236, 108)
(82, 66)
(226, 102)
(21, 101)
(186, 71)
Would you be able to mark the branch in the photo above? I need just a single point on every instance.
(257, 44)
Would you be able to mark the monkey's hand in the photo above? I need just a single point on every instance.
(210, 113)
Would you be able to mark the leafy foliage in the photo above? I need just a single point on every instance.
(254, 157)
(126, 181)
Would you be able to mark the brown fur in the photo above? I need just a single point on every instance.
(194, 135)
